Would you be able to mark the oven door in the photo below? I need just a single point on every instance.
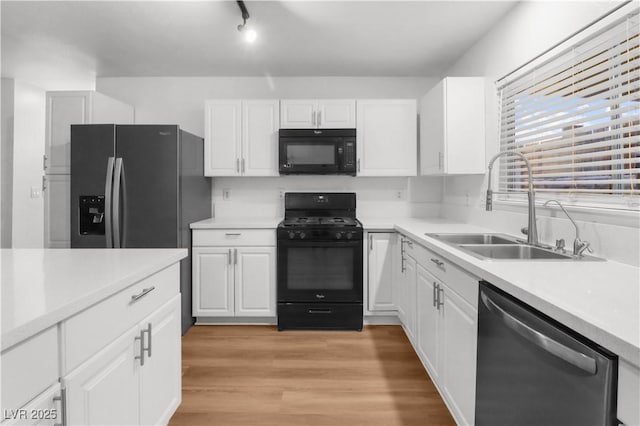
(320, 271)
(310, 155)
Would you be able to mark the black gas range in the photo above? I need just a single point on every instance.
(320, 263)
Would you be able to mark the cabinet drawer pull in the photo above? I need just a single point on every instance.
(143, 293)
(437, 262)
(320, 311)
(233, 234)
(63, 407)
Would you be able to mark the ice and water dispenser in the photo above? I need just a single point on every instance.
(91, 215)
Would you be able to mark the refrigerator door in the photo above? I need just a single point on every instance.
(92, 146)
(148, 202)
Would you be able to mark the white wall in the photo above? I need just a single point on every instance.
(6, 161)
(526, 31)
(181, 100)
(28, 137)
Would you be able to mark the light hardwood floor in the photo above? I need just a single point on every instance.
(255, 375)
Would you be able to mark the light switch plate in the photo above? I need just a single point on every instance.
(226, 194)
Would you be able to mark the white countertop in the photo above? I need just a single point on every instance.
(238, 223)
(600, 300)
(41, 287)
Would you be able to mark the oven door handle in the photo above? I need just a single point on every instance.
(320, 311)
(310, 243)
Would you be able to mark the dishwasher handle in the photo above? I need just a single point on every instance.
(548, 344)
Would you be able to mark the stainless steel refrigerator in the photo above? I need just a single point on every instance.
(138, 186)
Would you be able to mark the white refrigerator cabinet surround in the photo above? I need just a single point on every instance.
(317, 114)
(63, 110)
(234, 273)
(452, 127)
(380, 272)
(241, 137)
(386, 137)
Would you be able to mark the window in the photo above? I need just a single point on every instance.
(576, 117)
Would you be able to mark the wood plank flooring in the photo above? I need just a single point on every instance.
(255, 375)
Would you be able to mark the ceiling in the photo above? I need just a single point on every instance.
(199, 38)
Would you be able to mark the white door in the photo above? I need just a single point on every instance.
(410, 296)
(56, 211)
(222, 137)
(212, 281)
(387, 137)
(255, 281)
(427, 321)
(459, 345)
(260, 124)
(432, 131)
(105, 389)
(160, 377)
(63, 110)
(298, 113)
(336, 114)
(380, 269)
(41, 411)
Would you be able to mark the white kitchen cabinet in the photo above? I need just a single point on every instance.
(241, 137)
(234, 273)
(397, 287)
(317, 113)
(380, 272)
(428, 322)
(452, 127)
(65, 108)
(386, 137)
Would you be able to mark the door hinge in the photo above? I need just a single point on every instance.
(44, 162)
(44, 183)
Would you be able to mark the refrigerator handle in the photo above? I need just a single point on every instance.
(108, 187)
(116, 202)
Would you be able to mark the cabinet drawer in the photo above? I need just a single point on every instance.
(29, 368)
(87, 332)
(234, 237)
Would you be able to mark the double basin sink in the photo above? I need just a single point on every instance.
(503, 247)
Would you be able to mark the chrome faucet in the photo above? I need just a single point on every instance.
(532, 229)
(579, 246)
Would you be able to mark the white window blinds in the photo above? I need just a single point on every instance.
(576, 118)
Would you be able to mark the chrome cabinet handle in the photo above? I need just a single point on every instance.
(358, 165)
(242, 166)
(546, 343)
(402, 267)
(235, 256)
(143, 293)
(108, 186)
(232, 234)
(63, 407)
(141, 356)
(370, 242)
(319, 118)
(440, 292)
(230, 257)
(237, 165)
(313, 118)
(435, 289)
(149, 335)
(437, 262)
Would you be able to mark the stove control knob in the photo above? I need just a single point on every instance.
(292, 235)
(349, 235)
(302, 235)
(338, 235)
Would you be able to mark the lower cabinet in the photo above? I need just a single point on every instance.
(404, 288)
(44, 410)
(135, 379)
(428, 322)
(380, 272)
(234, 281)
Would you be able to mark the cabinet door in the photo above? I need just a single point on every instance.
(410, 296)
(56, 211)
(42, 410)
(336, 114)
(459, 348)
(260, 121)
(160, 377)
(432, 131)
(222, 137)
(427, 321)
(212, 282)
(255, 281)
(298, 113)
(380, 272)
(387, 137)
(399, 278)
(105, 389)
(63, 110)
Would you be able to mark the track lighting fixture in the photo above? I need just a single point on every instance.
(249, 33)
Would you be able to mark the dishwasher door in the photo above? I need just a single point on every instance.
(534, 371)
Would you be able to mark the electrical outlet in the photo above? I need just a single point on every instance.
(226, 194)
(36, 192)
(399, 195)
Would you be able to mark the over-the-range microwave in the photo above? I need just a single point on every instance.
(317, 151)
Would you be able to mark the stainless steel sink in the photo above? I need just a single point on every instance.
(515, 252)
(475, 238)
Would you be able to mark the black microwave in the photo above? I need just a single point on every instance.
(317, 151)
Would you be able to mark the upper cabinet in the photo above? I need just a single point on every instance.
(452, 127)
(76, 107)
(317, 113)
(241, 137)
(386, 137)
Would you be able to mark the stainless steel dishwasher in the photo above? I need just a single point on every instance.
(534, 371)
